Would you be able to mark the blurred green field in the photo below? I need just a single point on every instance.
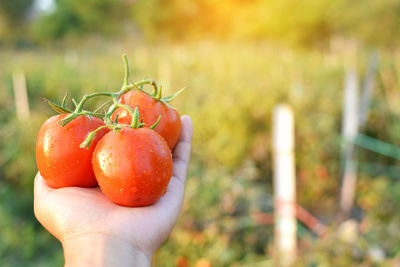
(232, 89)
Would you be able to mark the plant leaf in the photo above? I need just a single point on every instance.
(64, 99)
(57, 108)
(172, 97)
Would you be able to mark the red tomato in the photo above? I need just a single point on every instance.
(150, 109)
(133, 167)
(59, 158)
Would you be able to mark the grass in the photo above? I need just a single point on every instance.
(232, 89)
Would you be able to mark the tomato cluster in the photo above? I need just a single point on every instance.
(126, 151)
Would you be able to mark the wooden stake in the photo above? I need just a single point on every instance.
(284, 185)
(21, 96)
(350, 122)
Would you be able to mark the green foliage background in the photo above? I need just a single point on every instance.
(238, 59)
(304, 23)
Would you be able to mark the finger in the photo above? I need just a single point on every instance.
(168, 207)
(40, 188)
(173, 198)
(40, 192)
(44, 208)
(181, 153)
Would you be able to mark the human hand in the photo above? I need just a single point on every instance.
(96, 232)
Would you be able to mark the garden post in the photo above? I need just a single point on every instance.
(284, 185)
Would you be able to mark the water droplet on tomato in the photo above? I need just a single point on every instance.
(134, 189)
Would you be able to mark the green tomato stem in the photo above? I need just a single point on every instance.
(156, 123)
(135, 85)
(158, 93)
(64, 99)
(134, 113)
(89, 139)
(126, 72)
(87, 97)
(88, 113)
(135, 118)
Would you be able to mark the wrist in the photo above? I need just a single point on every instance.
(103, 250)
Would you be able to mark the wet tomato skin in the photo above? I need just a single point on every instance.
(150, 109)
(133, 167)
(60, 160)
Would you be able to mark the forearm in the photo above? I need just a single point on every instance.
(99, 250)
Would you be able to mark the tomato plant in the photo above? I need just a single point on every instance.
(59, 158)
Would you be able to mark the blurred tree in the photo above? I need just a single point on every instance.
(373, 22)
(291, 22)
(184, 19)
(288, 21)
(13, 17)
(77, 18)
(15, 11)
